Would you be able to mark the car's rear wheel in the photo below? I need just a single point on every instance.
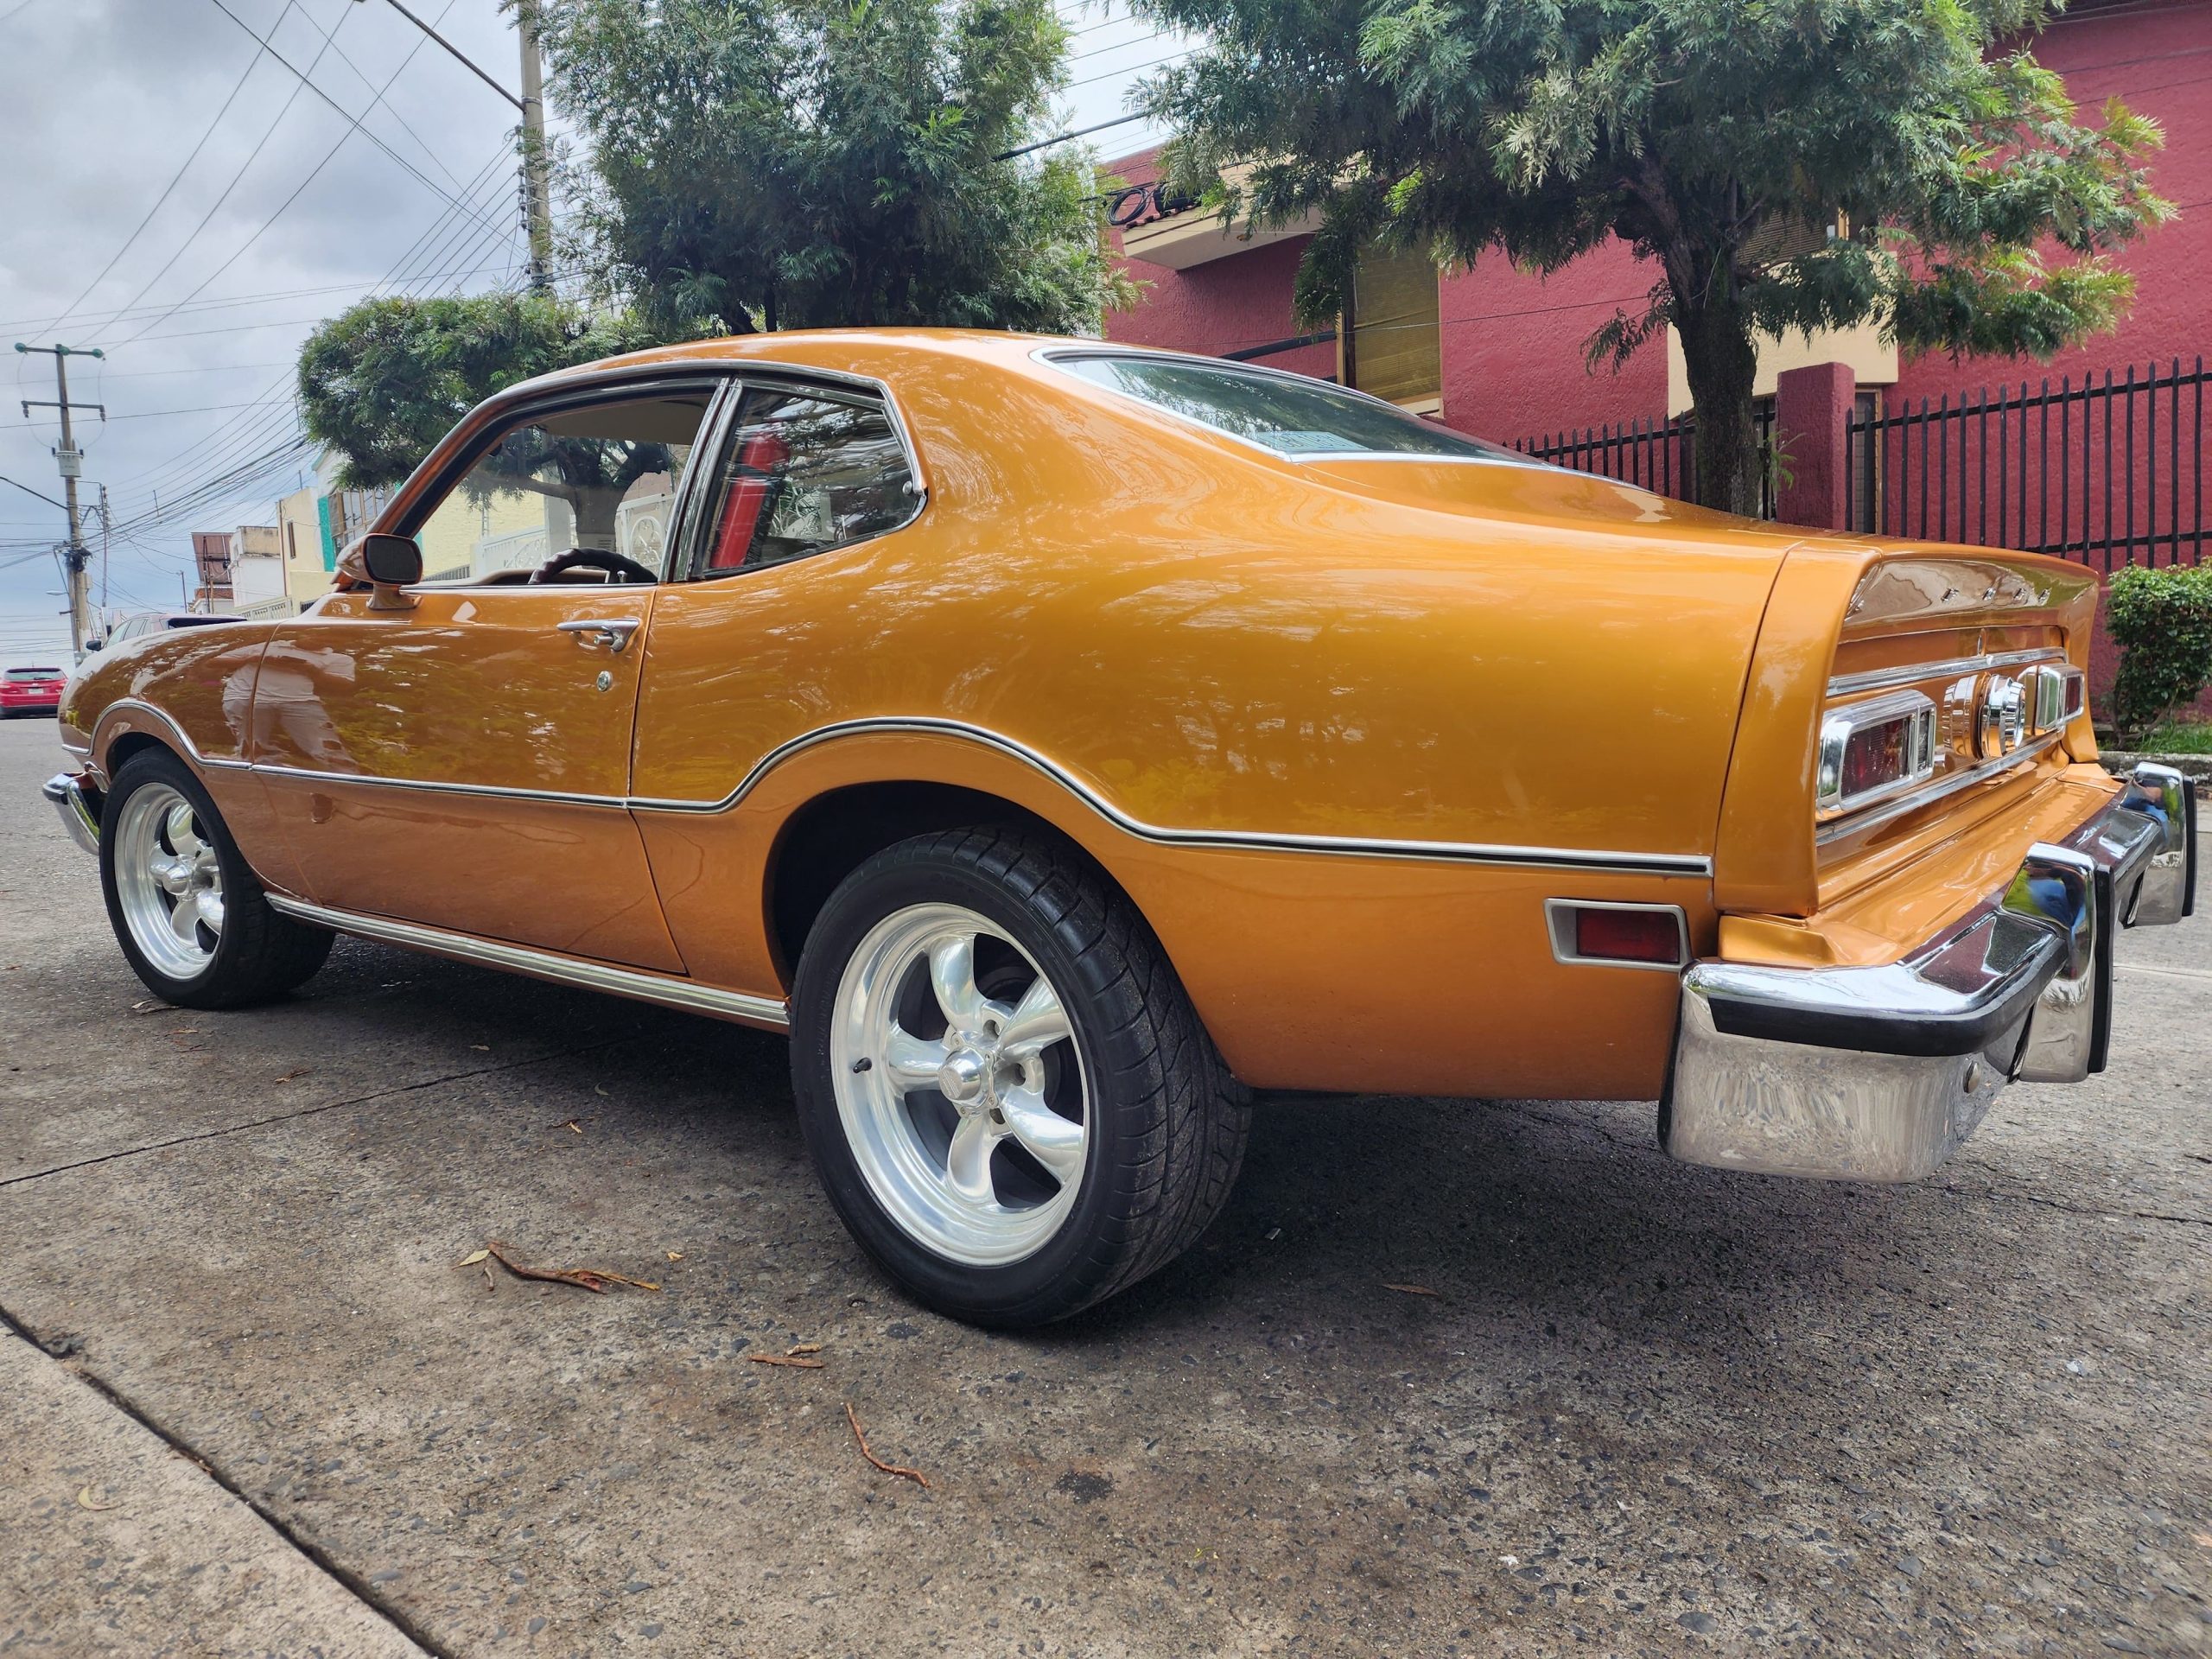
(186, 908)
(1007, 1092)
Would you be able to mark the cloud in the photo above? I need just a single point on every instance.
(100, 103)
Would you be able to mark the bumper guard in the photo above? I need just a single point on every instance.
(78, 804)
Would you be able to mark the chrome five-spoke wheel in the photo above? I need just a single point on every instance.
(1010, 1099)
(959, 1084)
(169, 881)
(185, 905)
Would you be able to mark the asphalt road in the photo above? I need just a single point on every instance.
(1648, 1408)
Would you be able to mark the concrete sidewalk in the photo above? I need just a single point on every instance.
(119, 1543)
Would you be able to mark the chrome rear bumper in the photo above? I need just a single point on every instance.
(1876, 1074)
(78, 807)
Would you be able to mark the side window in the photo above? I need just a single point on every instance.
(603, 476)
(805, 472)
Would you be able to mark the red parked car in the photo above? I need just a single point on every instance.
(31, 691)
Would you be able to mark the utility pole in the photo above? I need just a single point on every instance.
(536, 194)
(538, 198)
(107, 546)
(71, 462)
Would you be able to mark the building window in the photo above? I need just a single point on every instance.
(1390, 348)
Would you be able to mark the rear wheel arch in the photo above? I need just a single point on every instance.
(833, 834)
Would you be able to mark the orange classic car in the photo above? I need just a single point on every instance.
(1065, 740)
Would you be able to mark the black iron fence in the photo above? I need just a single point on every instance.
(1656, 456)
(2109, 471)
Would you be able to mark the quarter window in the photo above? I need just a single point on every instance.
(805, 472)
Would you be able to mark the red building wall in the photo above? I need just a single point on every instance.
(1512, 344)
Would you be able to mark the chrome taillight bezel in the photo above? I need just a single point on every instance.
(1844, 722)
(2053, 695)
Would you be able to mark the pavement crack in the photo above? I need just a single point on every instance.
(352, 1582)
(310, 1111)
(2013, 1195)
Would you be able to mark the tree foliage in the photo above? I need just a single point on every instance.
(767, 163)
(382, 381)
(1722, 139)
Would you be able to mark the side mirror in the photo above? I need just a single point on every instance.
(388, 564)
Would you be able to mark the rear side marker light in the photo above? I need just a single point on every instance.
(1872, 750)
(1619, 936)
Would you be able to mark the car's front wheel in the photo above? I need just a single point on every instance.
(185, 906)
(1009, 1098)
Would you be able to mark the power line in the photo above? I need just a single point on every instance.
(330, 38)
(108, 319)
(26, 488)
(352, 121)
(329, 155)
(157, 414)
(421, 258)
(131, 241)
(1133, 69)
(169, 265)
(1117, 46)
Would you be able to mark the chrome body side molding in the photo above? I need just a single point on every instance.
(191, 749)
(666, 989)
(1565, 858)
(1559, 858)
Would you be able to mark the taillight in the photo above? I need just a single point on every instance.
(1872, 750)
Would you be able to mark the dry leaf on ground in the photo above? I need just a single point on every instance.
(1411, 1290)
(904, 1473)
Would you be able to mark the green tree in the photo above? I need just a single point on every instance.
(1720, 138)
(382, 381)
(768, 163)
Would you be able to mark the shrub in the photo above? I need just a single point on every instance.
(2162, 622)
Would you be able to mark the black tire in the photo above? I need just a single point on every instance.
(1166, 1123)
(259, 953)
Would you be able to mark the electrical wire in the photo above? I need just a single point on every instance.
(353, 122)
(330, 37)
(269, 132)
(420, 265)
(329, 155)
(1134, 68)
(168, 189)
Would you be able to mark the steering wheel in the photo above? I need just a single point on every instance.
(593, 558)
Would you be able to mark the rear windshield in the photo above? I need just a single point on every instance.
(1286, 413)
(34, 673)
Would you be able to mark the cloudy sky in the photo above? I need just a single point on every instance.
(176, 196)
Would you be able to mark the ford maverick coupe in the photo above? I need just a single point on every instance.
(1063, 741)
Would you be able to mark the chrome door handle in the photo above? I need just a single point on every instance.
(612, 632)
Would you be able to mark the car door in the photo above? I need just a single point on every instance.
(812, 477)
(465, 762)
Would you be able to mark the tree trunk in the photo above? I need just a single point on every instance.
(595, 509)
(1723, 366)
